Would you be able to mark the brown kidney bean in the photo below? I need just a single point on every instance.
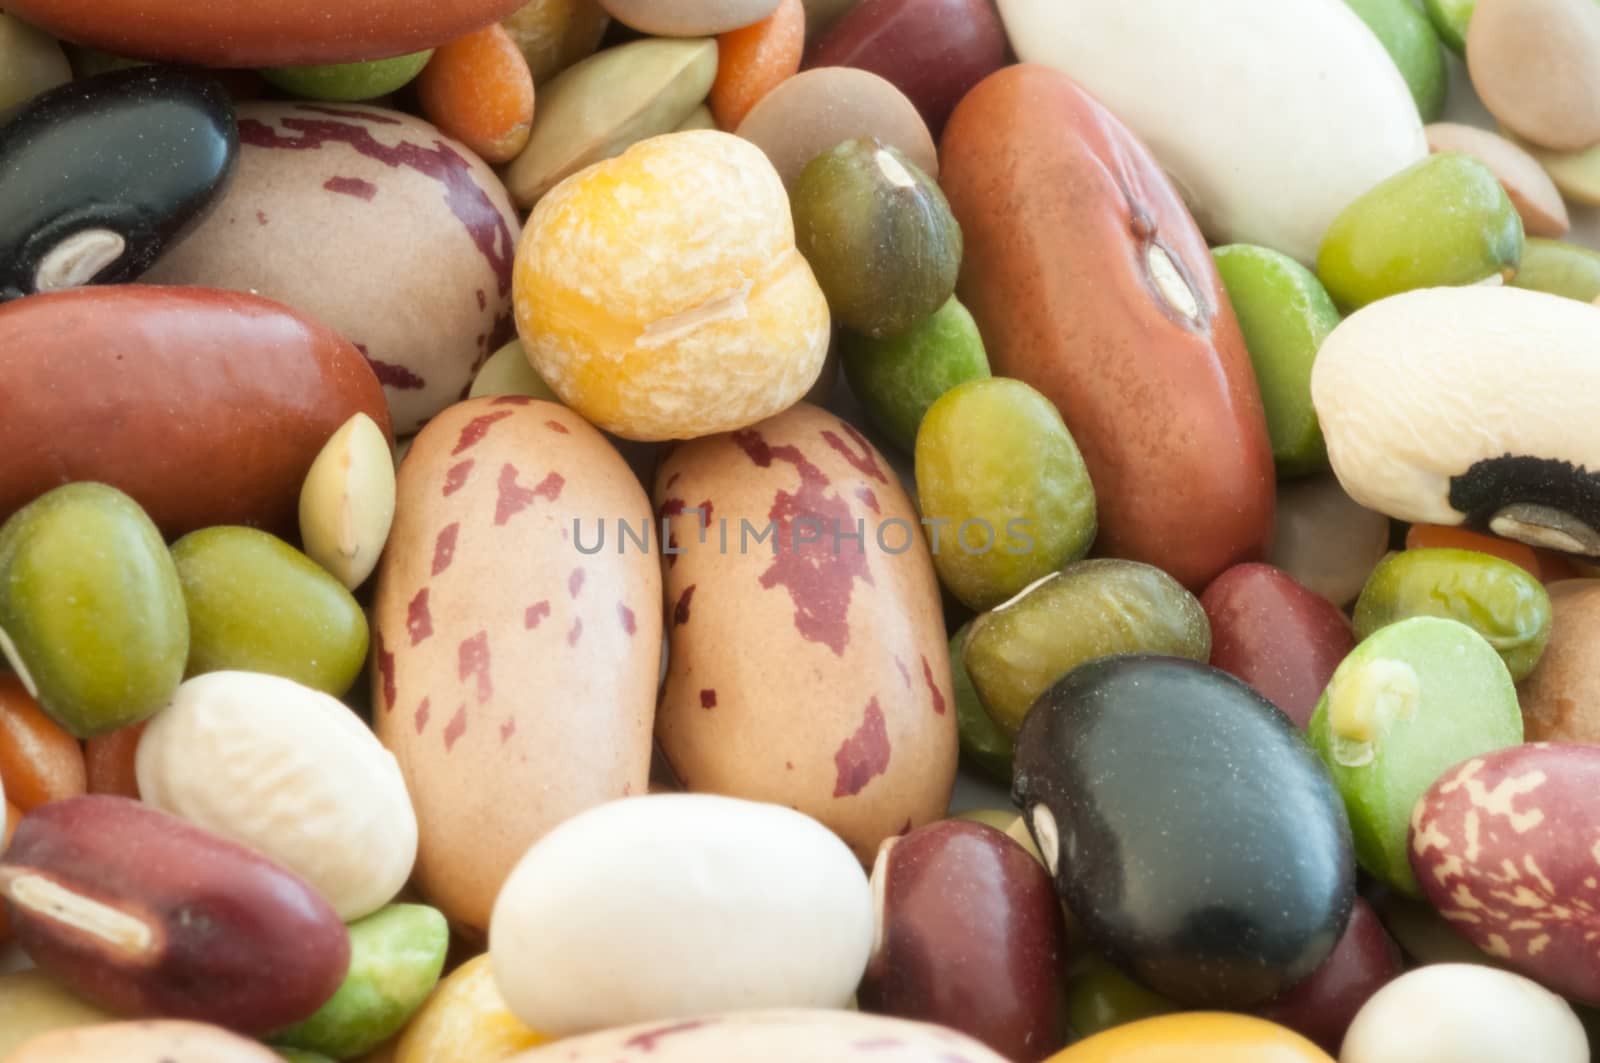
(208, 407)
(1090, 281)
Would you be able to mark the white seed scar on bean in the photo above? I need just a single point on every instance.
(78, 259)
(35, 893)
(1048, 837)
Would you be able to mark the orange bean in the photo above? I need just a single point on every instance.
(478, 89)
(753, 61)
(109, 759)
(1423, 536)
(39, 761)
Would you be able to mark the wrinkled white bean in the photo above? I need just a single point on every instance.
(290, 772)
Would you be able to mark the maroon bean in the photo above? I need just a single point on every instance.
(970, 936)
(931, 50)
(1322, 1006)
(1276, 635)
(147, 915)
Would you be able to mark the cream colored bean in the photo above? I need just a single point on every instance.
(1464, 1013)
(156, 1041)
(661, 907)
(291, 773)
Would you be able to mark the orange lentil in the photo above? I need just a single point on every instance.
(479, 90)
(39, 761)
(109, 760)
(753, 61)
(1422, 536)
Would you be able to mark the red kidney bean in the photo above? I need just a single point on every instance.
(970, 936)
(1322, 1006)
(1276, 635)
(934, 51)
(147, 915)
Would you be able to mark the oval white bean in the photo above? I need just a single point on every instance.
(672, 905)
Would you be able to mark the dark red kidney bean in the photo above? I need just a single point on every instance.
(150, 916)
(207, 407)
(934, 51)
(1504, 847)
(1276, 635)
(1089, 280)
(971, 936)
(1322, 1006)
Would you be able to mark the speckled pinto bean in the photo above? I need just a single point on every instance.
(806, 668)
(514, 677)
(376, 224)
(1504, 846)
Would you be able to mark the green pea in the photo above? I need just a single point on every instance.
(1102, 997)
(508, 372)
(1450, 18)
(1088, 610)
(1559, 268)
(983, 743)
(1412, 701)
(879, 236)
(91, 611)
(31, 62)
(1443, 221)
(1002, 488)
(1499, 600)
(1413, 43)
(349, 82)
(898, 379)
(396, 956)
(256, 604)
(300, 1055)
(1285, 314)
